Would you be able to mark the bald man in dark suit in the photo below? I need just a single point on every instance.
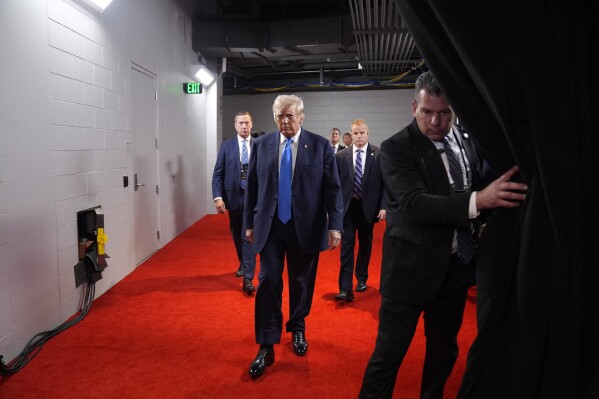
(363, 205)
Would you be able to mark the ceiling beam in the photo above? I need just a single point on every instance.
(232, 69)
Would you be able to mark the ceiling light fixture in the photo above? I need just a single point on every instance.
(204, 77)
(96, 5)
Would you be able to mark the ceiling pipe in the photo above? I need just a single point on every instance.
(383, 41)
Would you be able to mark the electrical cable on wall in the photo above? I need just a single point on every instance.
(34, 346)
(92, 261)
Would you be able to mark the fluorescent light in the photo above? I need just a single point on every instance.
(204, 77)
(97, 5)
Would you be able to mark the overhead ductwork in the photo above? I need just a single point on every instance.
(303, 44)
(385, 46)
(276, 44)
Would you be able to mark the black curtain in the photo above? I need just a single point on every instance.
(518, 76)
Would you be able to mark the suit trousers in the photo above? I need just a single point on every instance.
(397, 325)
(354, 221)
(244, 249)
(282, 245)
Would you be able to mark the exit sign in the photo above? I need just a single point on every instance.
(192, 87)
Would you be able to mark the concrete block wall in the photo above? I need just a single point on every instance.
(385, 111)
(65, 119)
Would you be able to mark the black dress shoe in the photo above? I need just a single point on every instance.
(239, 272)
(300, 345)
(361, 287)
(264, 358)
(248, 286)
(345, 295)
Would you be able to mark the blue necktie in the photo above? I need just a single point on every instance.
(466, 244)
(357, 194)
(285, 174)
(244, 161)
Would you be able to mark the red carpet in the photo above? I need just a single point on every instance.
(180, 327)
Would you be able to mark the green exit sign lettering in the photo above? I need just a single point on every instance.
(192, 87)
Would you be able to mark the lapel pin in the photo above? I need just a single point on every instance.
(305, 145)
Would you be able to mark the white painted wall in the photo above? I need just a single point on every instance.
(65, 116)
(385, 111)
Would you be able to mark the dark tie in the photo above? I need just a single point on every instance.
(244, 162)
(285, 173)
(455, 167)
(466, 245)
(358, 176)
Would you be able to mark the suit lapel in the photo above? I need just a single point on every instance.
(473, 161)
(349, 161)
(273, 152)
(369, 158)
(302, 156)
(249, 147)
(236, 150)
(431, 159)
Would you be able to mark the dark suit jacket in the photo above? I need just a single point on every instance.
(372, 183)
(422, 213)
(340, 147)
(315, 191)
(226, 179)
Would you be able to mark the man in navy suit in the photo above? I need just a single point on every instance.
(334, 137)
(228, 187)
(293, 211)
(362, 189)
(433, 197)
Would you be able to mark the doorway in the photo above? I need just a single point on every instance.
(145, 163)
